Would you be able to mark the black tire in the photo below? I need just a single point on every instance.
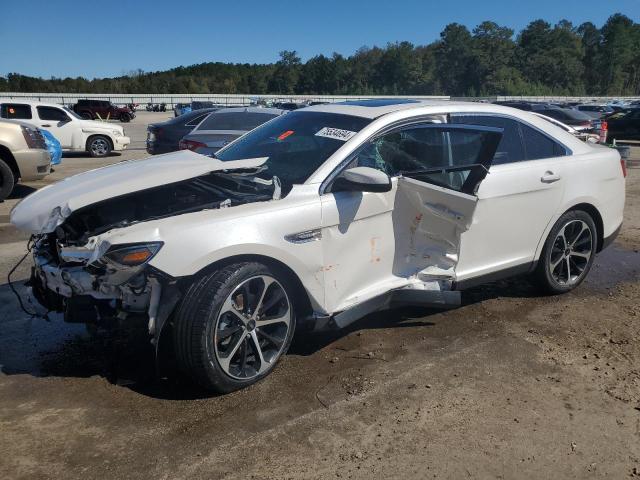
(7, 180)
(125, 118)
(201, 317)
(99, 146)
(86, 115)
(554, 270)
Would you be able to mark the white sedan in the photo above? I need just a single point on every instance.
(74, 133)
(317, 218)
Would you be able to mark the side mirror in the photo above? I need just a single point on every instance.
(362, 179)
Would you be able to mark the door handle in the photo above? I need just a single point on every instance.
(46, 125)
(549, 177)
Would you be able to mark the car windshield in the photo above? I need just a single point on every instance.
(72, 113)
(296, 144)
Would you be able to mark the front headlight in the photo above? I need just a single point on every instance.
(131, 254)
(117, 133)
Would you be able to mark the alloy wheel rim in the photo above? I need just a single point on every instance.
(252, 327)
(571, 252)
(99, 146)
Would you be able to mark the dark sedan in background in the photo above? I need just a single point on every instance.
(224, 126)
(625, 126)
(165, 137)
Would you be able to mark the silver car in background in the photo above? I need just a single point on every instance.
(225, 125)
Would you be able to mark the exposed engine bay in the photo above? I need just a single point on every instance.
(214, 190)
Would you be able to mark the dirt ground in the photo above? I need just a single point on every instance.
(511, 385)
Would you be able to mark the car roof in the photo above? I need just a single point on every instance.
(272, 111)
(374, 108)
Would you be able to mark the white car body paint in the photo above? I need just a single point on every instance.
(73, 134)
(416, 236)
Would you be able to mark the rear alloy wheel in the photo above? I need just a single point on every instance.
(99, 146)
(568, 252)
(234, 325)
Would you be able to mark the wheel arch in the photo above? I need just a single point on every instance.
(7, 156)
(93, 135)
(303, 300)
(595, 214)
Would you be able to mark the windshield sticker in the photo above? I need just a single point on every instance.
(335, 133)
(285, 135)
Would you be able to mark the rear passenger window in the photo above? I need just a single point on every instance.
(537, 145)
(511, 147)
(17, 111)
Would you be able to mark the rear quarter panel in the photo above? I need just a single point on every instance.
(594, 176)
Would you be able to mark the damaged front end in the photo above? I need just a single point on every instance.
(79, 272)
(96, 284)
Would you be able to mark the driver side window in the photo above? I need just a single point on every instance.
(433, 153)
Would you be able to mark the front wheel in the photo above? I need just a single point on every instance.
(568, 252)
(99, 146)
(234, 325)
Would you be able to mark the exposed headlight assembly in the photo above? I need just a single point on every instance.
(131, 254)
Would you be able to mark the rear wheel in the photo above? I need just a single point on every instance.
(99, 146)
(7, 180)
(568, 253)
(234, 325)
(125, 118)
(86, 115)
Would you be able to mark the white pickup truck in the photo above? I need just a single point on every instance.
(74, 133)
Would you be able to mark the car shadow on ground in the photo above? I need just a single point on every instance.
(50, 347)
(44, 348)
(86, 155)
(21, 191)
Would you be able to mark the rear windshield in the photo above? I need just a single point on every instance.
(296, 143)
(235, 121)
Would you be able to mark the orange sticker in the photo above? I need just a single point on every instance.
(285, 135)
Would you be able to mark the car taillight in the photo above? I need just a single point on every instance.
(33, 137)
(604, 125)
(190, 145)
(623, 165)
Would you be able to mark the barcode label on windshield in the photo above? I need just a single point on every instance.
(335, 133)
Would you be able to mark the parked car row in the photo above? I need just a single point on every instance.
(74, 133)
(206, 131)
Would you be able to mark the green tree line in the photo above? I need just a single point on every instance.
(542, 59)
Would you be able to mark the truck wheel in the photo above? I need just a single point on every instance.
(234, 325)
(125, 118)
(98, 146)
(86, 115)
(568, 253)
(7, 180)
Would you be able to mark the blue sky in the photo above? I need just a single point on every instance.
(97, 38)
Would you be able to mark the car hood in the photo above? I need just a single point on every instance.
(42, 211)
(90, 126)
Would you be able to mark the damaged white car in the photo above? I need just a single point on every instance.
(317, 218)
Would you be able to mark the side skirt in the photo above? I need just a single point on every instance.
(494, 276)
(395, 298)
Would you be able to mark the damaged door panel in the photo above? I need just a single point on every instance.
(408, 237)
